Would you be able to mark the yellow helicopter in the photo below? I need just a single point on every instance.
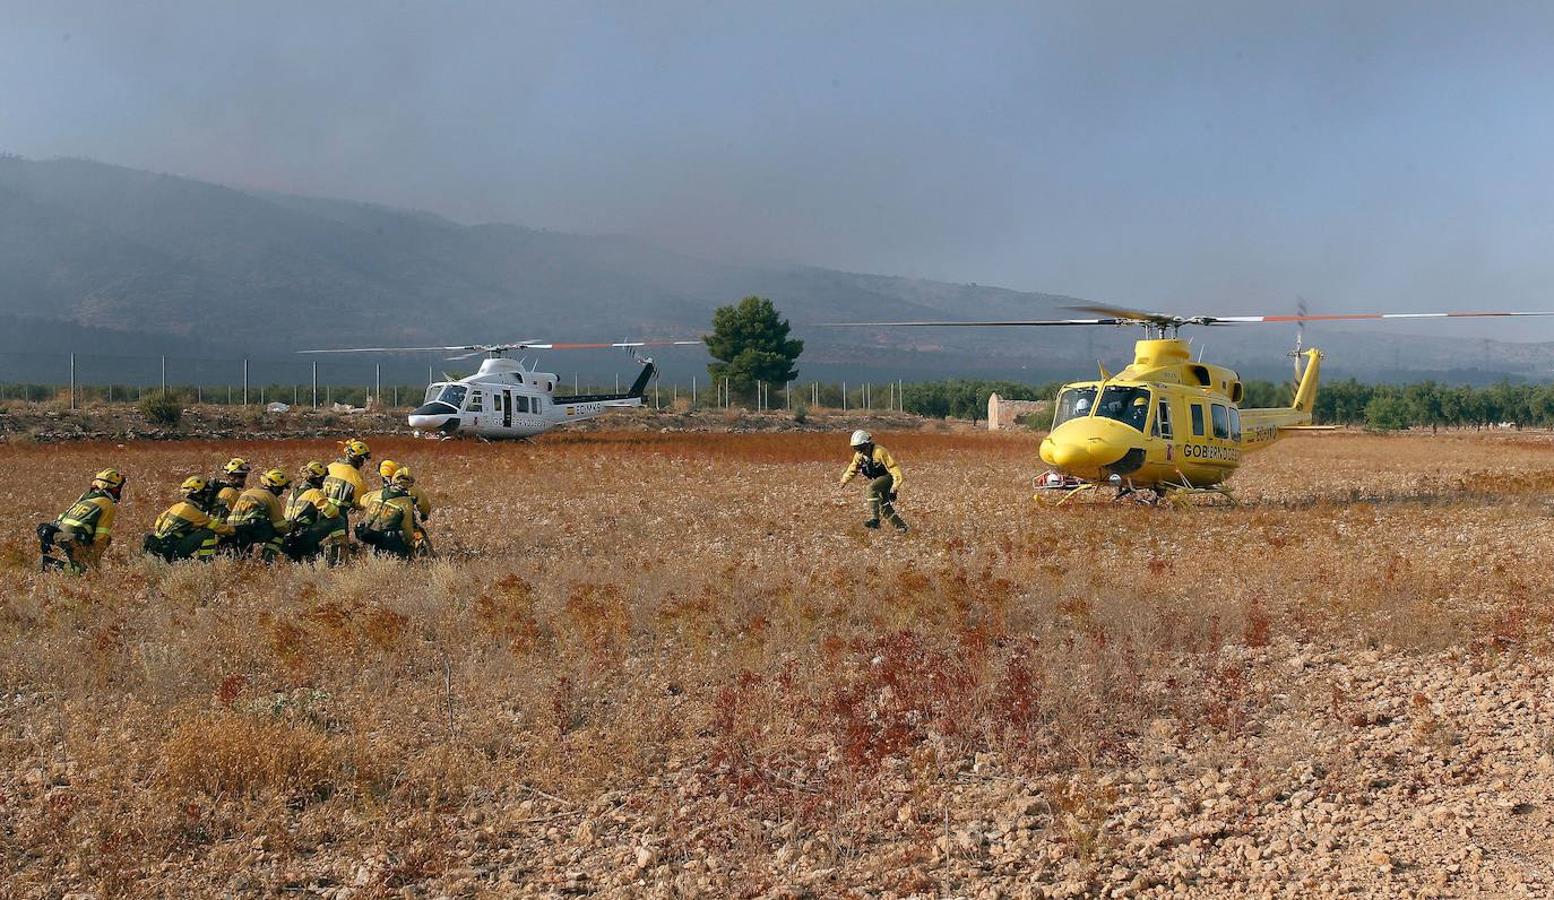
(1167, 426)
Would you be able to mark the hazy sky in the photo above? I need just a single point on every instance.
(1219, 156)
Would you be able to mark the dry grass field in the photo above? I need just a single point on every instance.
(676, 665)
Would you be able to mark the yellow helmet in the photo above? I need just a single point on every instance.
(314, 469)
(192, 485)
(387, 468)
(236, 466)
(108, 479)
(356, 449)
(275, 478)
(402, 477)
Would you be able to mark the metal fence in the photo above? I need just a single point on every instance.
(76, 379)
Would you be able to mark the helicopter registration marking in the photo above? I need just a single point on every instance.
(1206, 451)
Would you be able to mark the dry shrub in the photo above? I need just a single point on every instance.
(506, 611)
(223, 753)
(698, 629)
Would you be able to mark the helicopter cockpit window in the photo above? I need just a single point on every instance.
(1073, 403)
(432, 391)
(1235, 424)
(476, 403)
(1128, 405)
(1221, 417)
(453, 395)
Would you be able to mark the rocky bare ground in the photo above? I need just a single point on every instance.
(1346, 772)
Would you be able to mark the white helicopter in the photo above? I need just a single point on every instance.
(507, 398)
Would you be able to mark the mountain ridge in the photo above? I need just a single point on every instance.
(106, 248)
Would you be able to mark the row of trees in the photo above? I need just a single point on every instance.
(967, 398)
(1390, 407)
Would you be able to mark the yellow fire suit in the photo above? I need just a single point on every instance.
(317, 525)
(185, 531)
(86, 529)
(257, 518)
(388, 525)
(885, 478)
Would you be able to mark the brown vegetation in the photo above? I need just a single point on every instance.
(676, 663)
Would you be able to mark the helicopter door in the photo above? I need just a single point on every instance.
(507, 409)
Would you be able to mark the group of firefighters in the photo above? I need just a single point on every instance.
(225, 515)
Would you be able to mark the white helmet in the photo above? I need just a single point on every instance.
(861, 437)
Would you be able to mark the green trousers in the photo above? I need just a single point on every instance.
(260, 532)
(319, 537)
(880, 502)
(387, 543)
(197, 544)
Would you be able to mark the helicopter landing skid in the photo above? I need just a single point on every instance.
(1056, 489)
(1180, 495)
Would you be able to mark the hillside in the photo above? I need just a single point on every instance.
(121, 261)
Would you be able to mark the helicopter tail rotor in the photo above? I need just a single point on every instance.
(1300, 345)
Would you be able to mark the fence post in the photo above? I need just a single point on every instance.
(693, 392)
(72, 381)
(315, 385)
(377, 383)
(245, 382)
(164, 374)
(844, 396)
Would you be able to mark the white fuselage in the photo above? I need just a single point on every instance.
(505, 400)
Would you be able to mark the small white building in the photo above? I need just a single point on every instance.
(1002, 413)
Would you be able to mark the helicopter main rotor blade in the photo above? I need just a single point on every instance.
(1359, 317)
(990, 324)
(392, 350)
(605, 346)
(1130, 315)
(475, 349)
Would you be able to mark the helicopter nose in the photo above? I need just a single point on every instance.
(434, 417)
(1087, 448)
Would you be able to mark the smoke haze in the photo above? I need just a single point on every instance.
(1190, 156)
